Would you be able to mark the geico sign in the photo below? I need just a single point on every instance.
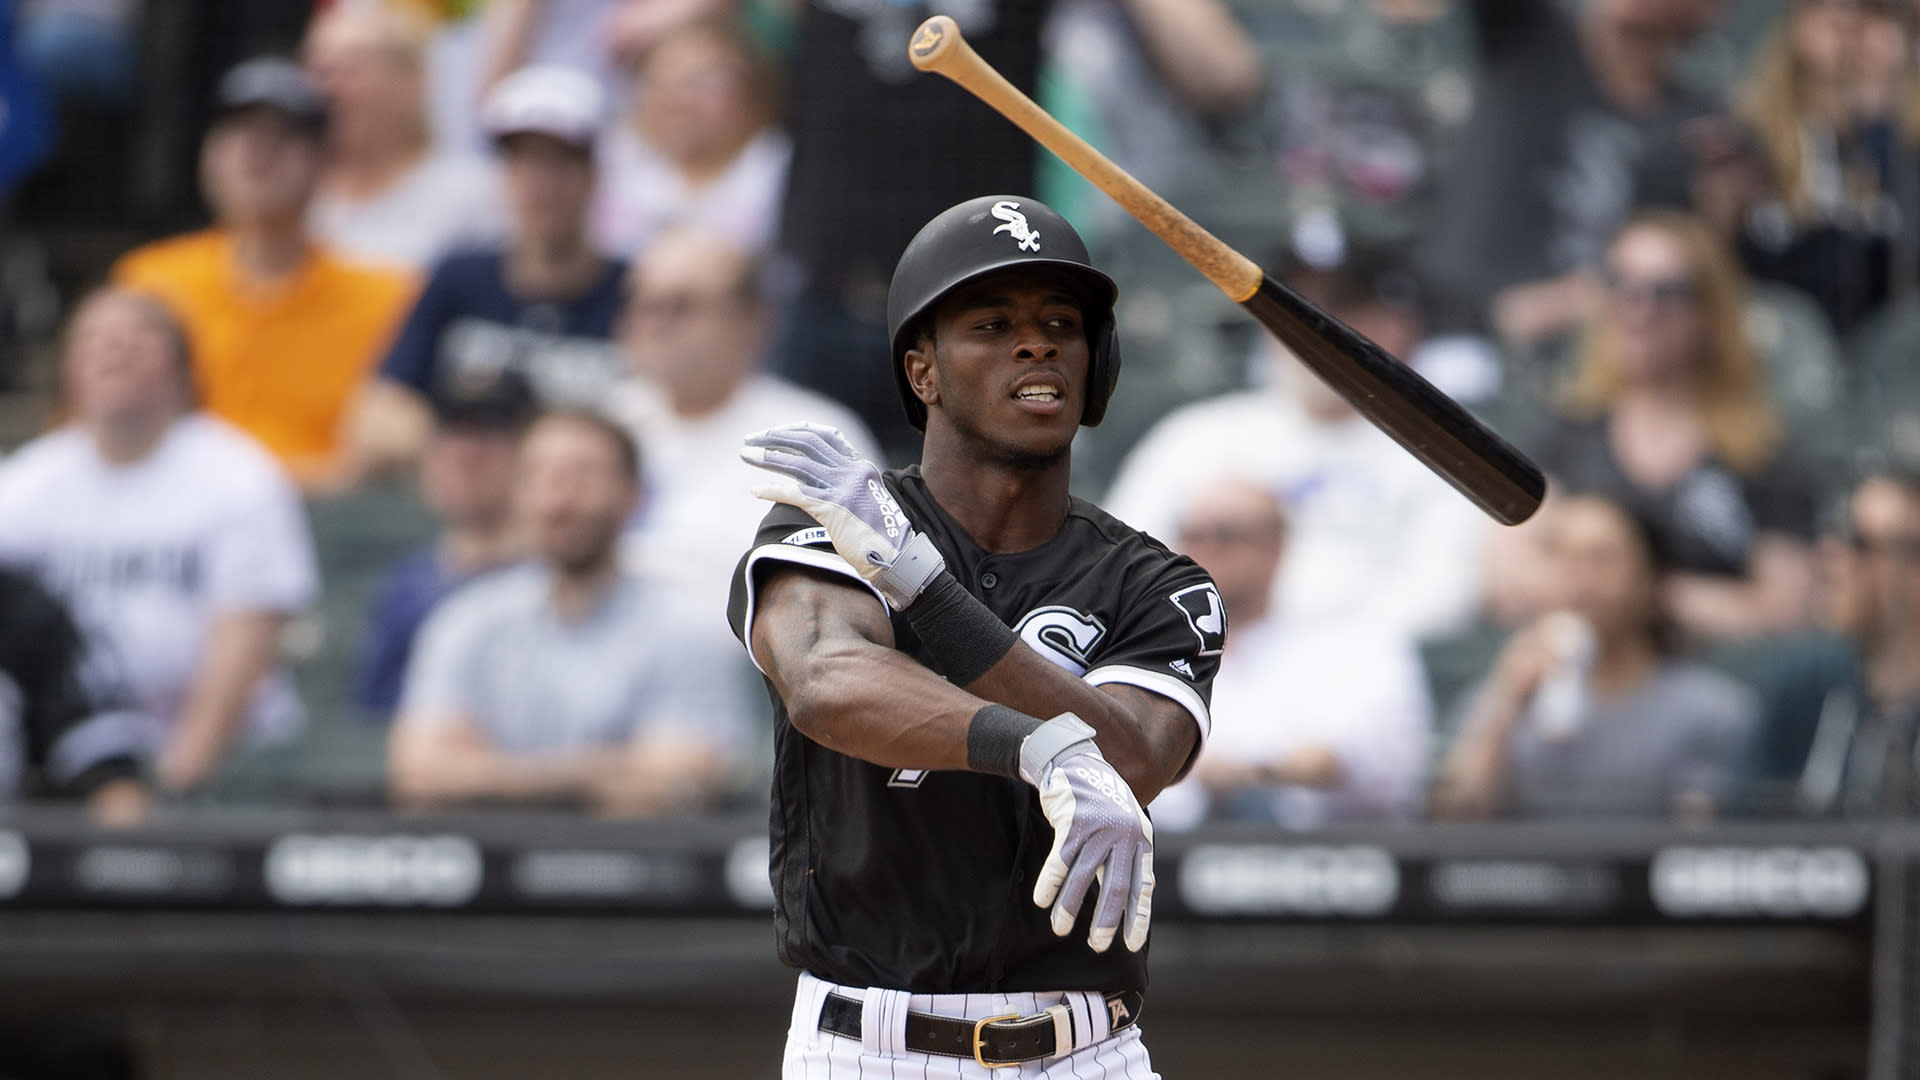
(433, 871)
(748, 880)
(1781, 882)
(15, 861)
(1248, 879)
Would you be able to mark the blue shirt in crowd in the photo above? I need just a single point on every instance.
(468, 328)
(408, 594)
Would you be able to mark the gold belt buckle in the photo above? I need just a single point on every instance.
(980, 1042)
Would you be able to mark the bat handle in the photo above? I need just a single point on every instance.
(938, 47)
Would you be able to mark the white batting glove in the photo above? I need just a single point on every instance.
(1101, 836)
(815, 469)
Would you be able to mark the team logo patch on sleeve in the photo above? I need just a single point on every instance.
(807, 537)
(1206, 615)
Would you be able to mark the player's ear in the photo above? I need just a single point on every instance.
(919, 367)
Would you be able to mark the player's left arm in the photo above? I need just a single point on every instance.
(1149, 738)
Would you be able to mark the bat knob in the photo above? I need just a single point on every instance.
(933, 42)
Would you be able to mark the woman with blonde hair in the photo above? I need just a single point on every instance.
(698, 145)
(389, 194)
(1669, 414)
(1833, 102)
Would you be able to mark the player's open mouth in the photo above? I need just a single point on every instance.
(1041, 394)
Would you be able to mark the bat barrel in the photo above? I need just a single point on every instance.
(1430, 425)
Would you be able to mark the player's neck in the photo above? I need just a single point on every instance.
(1004, 508)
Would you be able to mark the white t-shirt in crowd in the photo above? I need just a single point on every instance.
(642, 193)
(148, 555)
(446, 202)
(1356, 690)
(1372, 535)
(699, 514)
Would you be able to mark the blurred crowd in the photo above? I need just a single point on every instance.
(412, 476)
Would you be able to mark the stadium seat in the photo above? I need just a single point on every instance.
(341, 757)
(1804, 370)
(1886, 363)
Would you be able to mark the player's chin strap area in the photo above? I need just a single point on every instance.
(996, 1042)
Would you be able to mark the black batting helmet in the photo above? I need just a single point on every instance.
(984, 236)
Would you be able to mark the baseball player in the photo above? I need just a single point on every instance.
(978, 682)
(67, 729)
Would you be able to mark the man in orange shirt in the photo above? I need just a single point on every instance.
(283, 331)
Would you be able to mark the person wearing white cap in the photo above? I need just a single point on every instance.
(543, 306)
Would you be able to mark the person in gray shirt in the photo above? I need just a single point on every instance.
(1588, 713)
(564, 681)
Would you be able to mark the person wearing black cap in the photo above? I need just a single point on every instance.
(282, 330)
(466, 480)
(935, 833)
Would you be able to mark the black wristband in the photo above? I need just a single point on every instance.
(994, 737)
(963, 638)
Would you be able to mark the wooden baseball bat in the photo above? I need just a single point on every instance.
(1429, 424)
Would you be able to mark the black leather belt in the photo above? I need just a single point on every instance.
(996, 1041)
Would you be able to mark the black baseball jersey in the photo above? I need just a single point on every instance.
(923, 881)
(61, 734)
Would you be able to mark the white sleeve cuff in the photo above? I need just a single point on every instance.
(800, 556)
(1167, 686)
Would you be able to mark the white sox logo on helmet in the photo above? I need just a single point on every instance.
(1016, 225)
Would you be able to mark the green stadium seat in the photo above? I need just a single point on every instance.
(1886, 363)
(1805, 371)
(341, 756)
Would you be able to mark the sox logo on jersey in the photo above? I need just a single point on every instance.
(1060, 634)
(1067, 637)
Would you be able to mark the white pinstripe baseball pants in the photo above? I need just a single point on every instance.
(813, 1054)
